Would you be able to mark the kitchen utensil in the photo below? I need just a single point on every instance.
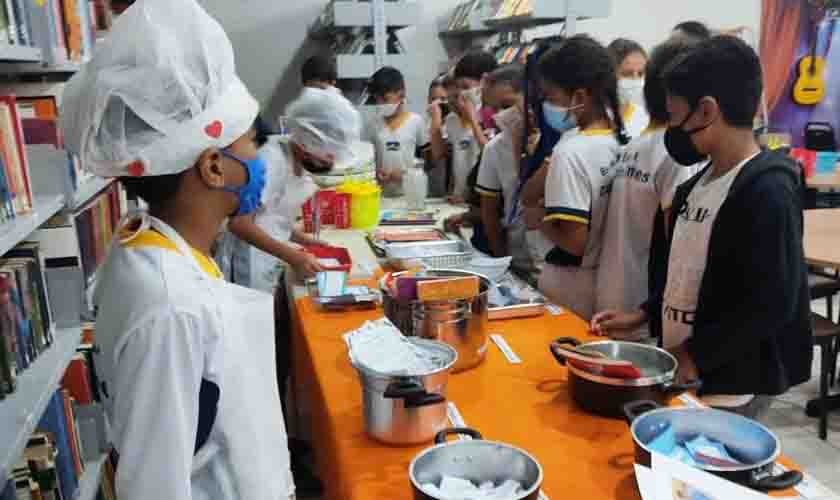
(449, 254)
(606, 396)
(460, 323)
(598, 363)
(513, 298)
(407, 409)
(475, 460)
(749, 442)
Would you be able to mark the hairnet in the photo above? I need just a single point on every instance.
(159, 90)
(325, 122)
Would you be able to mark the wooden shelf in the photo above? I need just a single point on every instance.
(21, 410)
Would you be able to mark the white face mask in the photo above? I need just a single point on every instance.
(474, 95)
(632, 90)
(386, 110)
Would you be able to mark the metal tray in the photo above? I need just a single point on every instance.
(527, 301)
(342, 302)
(449, 254)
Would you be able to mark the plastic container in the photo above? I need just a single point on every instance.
(416, 187)
(364, 203)
(826, 162)
(337, 253)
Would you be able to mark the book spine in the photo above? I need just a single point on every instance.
(58, 26)
(26, 189)
(24, 33)
(72, 435)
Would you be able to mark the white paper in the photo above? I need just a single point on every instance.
(503, 346)
(677, 481)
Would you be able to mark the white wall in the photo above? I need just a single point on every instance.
(269, 36)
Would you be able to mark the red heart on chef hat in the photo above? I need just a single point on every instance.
(214, 130)
(136, 169)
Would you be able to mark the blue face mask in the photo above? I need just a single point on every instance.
(560, 119)
(250, 193)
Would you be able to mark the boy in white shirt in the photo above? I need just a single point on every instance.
(463, 126)
(645, 180)
(398, 135)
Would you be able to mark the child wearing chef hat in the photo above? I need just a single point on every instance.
(187, 360)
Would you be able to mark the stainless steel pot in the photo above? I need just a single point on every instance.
(607, 396)
(460, 323)
(749, 442)
(407, 409)
(475, 460)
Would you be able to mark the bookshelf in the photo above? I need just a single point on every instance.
(363, 66)
(20, 411)
(89, 483)
(87, 190)
(545, 12)
(20, 53)
(342, 15)
(16, 230)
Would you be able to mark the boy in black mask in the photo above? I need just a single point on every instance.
(734, 308)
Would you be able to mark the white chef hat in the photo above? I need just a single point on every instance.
(324, 122)
(160, 89)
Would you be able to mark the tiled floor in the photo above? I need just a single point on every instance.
(798, 433)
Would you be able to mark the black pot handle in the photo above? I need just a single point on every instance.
(677, 388)
(404, 389)
(441, 436)
(563, 341)
(426, 399)
(636, 409)
(779, 482)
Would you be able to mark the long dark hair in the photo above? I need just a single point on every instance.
(583, 63)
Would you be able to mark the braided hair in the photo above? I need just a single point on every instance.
(583, 63)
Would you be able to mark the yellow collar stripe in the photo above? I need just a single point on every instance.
(150, 238)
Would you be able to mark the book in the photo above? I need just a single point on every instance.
(9, 337)
(45, 107)
(72, 435)
(22, 29)
(54, 421)
(96, 224)
(5, 27)
(104, 15)
(42, 131)
(60, 37)
(88, 29)
(77, 380)
(40, 15)
(15, 157)
(31, 250)
(72, 28)
(6, 208)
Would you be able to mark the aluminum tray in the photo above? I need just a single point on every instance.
(531, 303)
(449, 254)
(344, 301)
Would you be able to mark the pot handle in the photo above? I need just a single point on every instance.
(562, 341)
(636, 409)
(677, 388)
(778, 482)
(404, 389)
(441, 436)
(425, 399)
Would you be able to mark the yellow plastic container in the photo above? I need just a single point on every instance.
(364, 203)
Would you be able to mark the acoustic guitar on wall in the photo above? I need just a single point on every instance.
(810, 86)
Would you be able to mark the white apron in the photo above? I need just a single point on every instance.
(246, 456)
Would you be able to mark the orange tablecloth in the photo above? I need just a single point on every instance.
(525, 405)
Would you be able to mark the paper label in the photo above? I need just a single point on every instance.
(503, 346)
(554, 310)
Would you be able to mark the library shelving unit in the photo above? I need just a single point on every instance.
(546, 12)
(55, 198)
(352, 19)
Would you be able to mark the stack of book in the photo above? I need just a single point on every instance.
(514, 8)
(95, 226)
(515, 52)
(15, 190)
(64, 30)
(25, 317)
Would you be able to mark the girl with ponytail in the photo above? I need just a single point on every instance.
(579, 87)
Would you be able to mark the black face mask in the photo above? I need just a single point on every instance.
(680, 146)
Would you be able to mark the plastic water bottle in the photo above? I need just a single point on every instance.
(416, 187)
